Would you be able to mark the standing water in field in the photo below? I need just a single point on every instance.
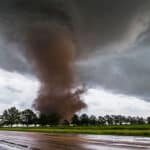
(26, 141)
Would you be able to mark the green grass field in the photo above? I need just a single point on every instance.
(135, 130)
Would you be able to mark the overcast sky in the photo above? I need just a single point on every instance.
(112, 53)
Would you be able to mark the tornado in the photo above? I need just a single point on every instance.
(51, 51)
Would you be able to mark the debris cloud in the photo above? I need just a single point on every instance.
(51, 52)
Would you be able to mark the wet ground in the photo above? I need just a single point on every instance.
(40, 141)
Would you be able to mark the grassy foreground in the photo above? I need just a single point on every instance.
(135, 130)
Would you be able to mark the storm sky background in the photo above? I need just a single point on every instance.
(112, 52)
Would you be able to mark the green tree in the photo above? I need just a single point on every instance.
(5, 118)
(109, 119)
(101, 120)
(132, 120)
(148, 120)
(75, 120)
(53, 119)
(28, 117)
(118, 119)
(140, 120)
(11, 116)
(92, 120)
(84, 119)
(43, 120)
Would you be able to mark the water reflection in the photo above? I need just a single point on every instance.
(39, 141)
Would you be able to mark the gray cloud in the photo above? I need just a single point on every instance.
(112, 39)
(105, 22)
(128, 73)
(11, 59)
(95, 24)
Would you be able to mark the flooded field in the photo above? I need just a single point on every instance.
(40, 141)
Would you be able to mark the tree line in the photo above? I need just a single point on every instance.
(27, 117)
(84, 119)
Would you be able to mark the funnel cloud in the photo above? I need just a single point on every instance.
(51, 52)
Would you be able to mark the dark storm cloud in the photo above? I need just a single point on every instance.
(103, 22)
(11, 59)
(95, 24)
(19, 17)
(99, 29)
(127, 74)
(144, 39)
